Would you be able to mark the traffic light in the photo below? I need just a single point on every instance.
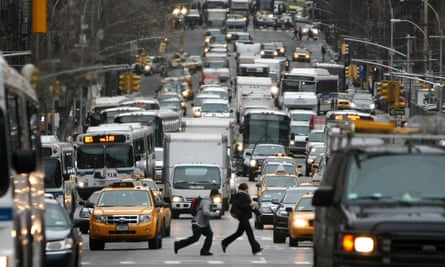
(385, 91)
(135, 81)
(348, 73)
(125, 82)
(344, 49)
(354, 70)
(399, 99)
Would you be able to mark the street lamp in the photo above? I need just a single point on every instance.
(423, 32)
(440, 36)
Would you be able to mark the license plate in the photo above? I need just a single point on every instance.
(122, 227)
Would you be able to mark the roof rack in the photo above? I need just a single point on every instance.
(359, 133)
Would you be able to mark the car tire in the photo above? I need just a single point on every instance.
(175, 214)
(96, 245)
(167, 230)
(278, 237)
(293, 242)
(156, 242)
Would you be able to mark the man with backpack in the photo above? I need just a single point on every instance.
(201, 226)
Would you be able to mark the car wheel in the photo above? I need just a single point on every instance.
(156, 242)
(96, 245)
(175, 214)
(278, 237)
(293, 242)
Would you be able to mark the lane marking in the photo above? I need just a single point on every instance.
(172, 262)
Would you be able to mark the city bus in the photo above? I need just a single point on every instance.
(22, 206)
(301, 86)
(110, 152)
(334, 69)
(263, 126)
(162, 121)
(60, 174)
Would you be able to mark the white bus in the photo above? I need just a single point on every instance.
(22, 227)
(110, 152)
(60, 173)
(300, 87)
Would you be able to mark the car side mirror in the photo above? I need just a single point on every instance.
(323, 197)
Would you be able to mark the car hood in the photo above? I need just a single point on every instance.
(122, 210)
(391, 217)
(52, 234)
(362, 102)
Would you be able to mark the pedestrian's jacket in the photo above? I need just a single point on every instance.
(202, 217)
(241, 205)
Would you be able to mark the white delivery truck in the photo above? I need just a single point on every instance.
(254, 91)
(216, 17)
(195, 163)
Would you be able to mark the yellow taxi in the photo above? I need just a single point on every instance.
(278, 179)
(165, 210)
(301, 220)
(126, 214)
(301, 54)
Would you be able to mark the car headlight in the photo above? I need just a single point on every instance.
(147, 67)
(144, 218)
(85, 212)
(275, 53)
(282, 50)
(274, 90)
(83, 184)
(292, 142)
(358, 243)
(217, 199)
(300, 223)
(282, 213)
(307, 56)
(252, 163)
(183, 104)
(177, 199)
(239, 147)
(65, 244)
(185, 93)
(262, 52)
(100, 218)
(353, 105)
(372, 106)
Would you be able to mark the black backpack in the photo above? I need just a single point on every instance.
(194, 207)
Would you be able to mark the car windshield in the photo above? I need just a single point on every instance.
(393, 178)
(55, 217)
(215, 107)
(272, 168)
(305, 204)
(362, 97)
(268, 150)
(269, 47)
(292, 196)
(300, 116)
(269, 195)
(281, 181)
(300, 130)
(196, 177)
(316, 137)
(120, 198)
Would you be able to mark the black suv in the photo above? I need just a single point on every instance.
(382, 205)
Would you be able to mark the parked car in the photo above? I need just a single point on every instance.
(64, 243)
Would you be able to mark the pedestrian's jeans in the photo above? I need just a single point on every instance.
(197, 232)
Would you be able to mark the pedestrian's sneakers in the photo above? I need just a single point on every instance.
(258, 252)
(206, 253)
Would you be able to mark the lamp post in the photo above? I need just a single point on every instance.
(440, 35)
(427, 59)
(391, 53)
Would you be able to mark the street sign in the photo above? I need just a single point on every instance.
(394, 112)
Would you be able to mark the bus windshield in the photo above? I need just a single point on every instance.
(98, 156)
(260, 128)
(295, 85)
(53, 174)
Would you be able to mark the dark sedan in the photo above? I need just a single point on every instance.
(266, 207)
(281, 215)
(64, 243)
(83, 212)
